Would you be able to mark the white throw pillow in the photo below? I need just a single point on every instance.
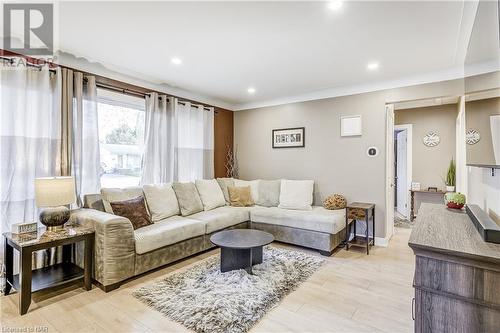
(296, 194)
(118, 194)
(210, 193)
(161, 201)
(254, 187)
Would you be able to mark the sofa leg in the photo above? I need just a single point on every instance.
(111, 287)
(326, 253)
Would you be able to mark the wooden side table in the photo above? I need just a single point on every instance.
(28, 281)
(412, 200)
(360, 211)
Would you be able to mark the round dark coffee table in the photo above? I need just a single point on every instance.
(240, 248)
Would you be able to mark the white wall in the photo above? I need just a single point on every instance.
(484, 190)
(336, 164)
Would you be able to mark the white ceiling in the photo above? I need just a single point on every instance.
(283, 49)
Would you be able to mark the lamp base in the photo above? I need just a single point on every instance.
(54, 217)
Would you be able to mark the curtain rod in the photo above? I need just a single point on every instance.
(141, 94)
(102, 85)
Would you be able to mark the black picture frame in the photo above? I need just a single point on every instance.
(302, 134)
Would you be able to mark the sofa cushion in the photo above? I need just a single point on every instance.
(224, 183)
(188, 198)
(318, 219)
(222, 217)
(118, 194)
(240, 196)
(296, 194)
(254, 187)
(210, 193)
(269, 193)
(134, 210)
(161, 201)
(166, 232)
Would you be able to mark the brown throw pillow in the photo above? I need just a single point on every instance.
(134, 210)
(240, 196)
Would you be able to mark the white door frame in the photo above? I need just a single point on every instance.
(409, 160)
(461, 147)
(389, 172)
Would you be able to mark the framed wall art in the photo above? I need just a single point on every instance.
(289, 137)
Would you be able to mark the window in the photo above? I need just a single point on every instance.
(121, 138)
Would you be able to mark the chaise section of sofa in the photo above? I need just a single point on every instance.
(319, 228)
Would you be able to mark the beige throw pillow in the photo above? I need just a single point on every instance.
(240, 196)
(269, 193)
(254, 187)
(210, 193)
(296, 194)
(224, 183)
(161, 200)
(188, 198)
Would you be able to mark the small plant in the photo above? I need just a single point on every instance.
(450, 175)
(455, 200)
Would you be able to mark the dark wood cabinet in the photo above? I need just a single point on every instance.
(457, 274)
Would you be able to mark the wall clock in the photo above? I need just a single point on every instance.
(431, 139)
(472, 137)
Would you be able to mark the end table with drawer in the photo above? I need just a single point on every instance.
(28, 280)
(360, 211)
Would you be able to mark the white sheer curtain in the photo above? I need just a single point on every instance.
(195, 142)
(29, 139)
(158, 162)
(29, 142)
(86, 158)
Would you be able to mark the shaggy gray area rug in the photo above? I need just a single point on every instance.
(205, 300)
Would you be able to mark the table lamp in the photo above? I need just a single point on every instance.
(53, 194)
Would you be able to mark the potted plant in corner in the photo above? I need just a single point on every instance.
(450, 177)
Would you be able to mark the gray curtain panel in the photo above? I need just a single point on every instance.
(79, 150)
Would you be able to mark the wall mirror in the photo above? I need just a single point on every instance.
(482, 91)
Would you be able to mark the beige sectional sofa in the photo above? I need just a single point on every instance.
(122, 252)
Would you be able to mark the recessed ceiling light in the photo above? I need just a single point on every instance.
(335, 5)
(372, 66)
(176, 61)
(251, 90)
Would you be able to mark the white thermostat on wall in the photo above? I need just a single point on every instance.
(372, 151)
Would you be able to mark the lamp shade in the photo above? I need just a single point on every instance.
(54, 191)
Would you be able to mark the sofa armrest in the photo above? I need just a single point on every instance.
(114, 245)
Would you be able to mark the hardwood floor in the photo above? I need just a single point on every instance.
(351, 293)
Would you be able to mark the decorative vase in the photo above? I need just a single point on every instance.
(450, 188)
(54, 217)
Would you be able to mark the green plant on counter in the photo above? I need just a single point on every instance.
(450, 175)
(457, 198)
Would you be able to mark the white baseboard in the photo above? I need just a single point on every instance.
(381, 241)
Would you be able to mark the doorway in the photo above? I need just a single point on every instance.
(402, 170)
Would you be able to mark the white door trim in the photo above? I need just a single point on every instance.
(409, 160)
(461, 148)
(389, 171)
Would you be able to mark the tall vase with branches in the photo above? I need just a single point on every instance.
(231, 162)
(451, 177)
